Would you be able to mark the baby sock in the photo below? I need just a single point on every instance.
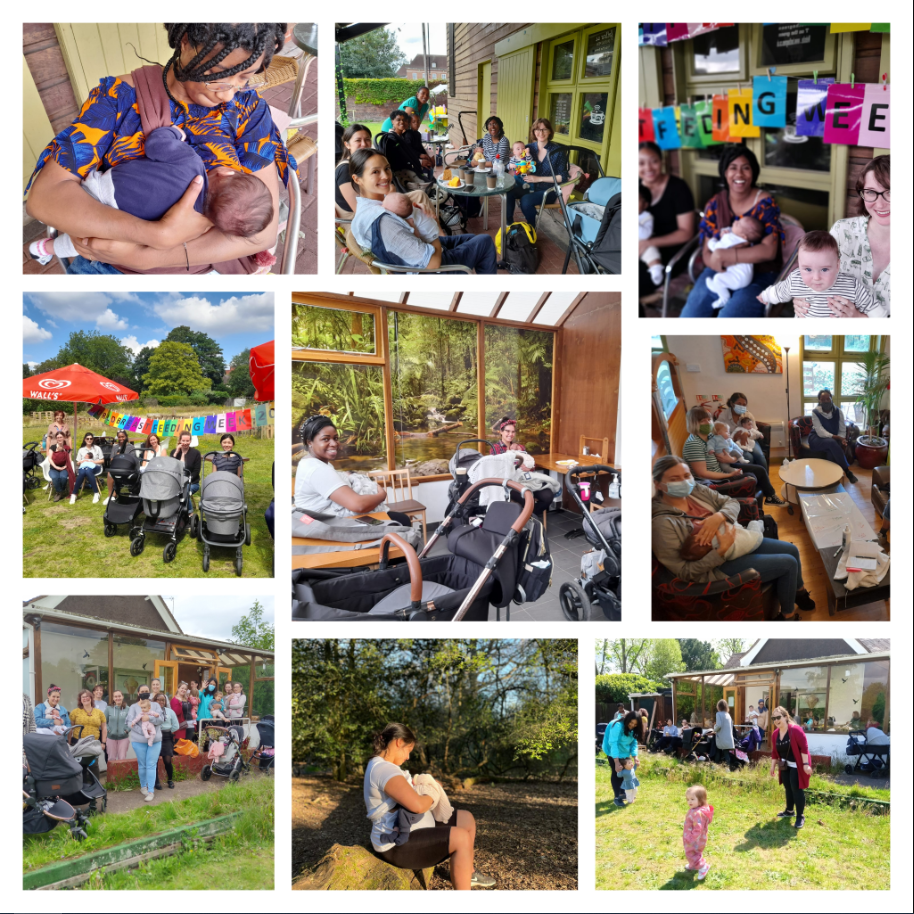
(656, 272)
(42, 250)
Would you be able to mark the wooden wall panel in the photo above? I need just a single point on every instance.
(589, 350)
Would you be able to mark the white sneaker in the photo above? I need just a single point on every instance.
(72, 499)
(95, 499)
(105, 502)
(150, 797)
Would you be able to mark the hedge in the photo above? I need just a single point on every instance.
(382, 91)
(616, 687)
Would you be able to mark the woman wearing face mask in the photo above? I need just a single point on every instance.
(705, 465)
(206, 699)
(828, 438)
(733, 413)
(680, 509)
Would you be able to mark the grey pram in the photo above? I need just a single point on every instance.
(169, 509)
(223, 512)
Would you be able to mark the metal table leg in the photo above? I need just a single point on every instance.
(303, 66)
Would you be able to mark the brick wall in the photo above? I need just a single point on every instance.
(45, 61)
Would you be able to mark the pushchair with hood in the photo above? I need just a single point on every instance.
(601, 568)
(225, 757)
(484, 565)
(867, 758)
(596, 247)
(124, 471)
(264, 755)
(223, 512)
(31, 463)
(169, 509)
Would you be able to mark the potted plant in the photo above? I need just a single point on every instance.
(871, 449)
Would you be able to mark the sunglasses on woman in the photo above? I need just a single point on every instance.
(777, 718)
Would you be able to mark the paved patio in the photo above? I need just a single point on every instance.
(278, 97)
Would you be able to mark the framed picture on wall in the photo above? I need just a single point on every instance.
(752, 355)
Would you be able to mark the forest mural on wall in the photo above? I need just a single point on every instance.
(332, 329)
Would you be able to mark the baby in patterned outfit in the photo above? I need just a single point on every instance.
(630, 782)
(695, 829)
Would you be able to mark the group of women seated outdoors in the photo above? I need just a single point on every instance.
(365, 178)
(71, 474)
(862, 241)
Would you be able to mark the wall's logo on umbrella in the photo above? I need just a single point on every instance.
(53, 384)
(108, 385)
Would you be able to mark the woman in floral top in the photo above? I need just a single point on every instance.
(227, 124)
(739, 169)
(863, 243)
(551, 159)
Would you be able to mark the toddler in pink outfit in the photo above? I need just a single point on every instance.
(149, 730)
(695, 829)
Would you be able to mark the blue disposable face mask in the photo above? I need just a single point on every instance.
(680, 488)
(739, 410)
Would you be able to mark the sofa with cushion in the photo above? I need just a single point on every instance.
(879, 494)
(800, 430)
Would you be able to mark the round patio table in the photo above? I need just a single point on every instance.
(479, 188)
(809, 474)
(304, 35)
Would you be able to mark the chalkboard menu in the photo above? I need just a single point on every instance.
(790, 42)
(600, 53)
(560, 112)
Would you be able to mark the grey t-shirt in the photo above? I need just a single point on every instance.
(723, 727)
(382, 809)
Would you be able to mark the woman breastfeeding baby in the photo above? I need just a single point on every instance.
(180, 164)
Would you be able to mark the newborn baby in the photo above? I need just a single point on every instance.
(235, 202)
(747, 540)
(401, 206)
(817, 277)
(746, 231)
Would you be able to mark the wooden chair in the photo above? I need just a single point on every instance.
(400, 494)
(604, 452)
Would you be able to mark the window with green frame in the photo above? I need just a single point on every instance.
(832, 361)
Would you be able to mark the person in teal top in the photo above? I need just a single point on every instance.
(206, 698)
(417, 102)
(620, 741)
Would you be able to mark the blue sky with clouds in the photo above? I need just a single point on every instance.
(213, 617)
(409, 38)
(236, 320)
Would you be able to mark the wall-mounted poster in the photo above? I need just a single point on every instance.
(752, 355)
(599, 60)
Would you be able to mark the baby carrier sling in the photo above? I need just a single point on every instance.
(154, 107)
(344, 533)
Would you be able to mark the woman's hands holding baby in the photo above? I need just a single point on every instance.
(706, 531)
(726, 536)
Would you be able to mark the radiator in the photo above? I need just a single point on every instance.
(778, 434)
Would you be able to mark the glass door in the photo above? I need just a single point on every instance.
(166, 671)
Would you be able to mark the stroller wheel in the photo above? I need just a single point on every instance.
(137, 545)
(574, 602)
(110, 529)
(169, 552)
(33, 482)
(848, 769)
(235, 775)
(206, 559)
(206, 773)
(239, 564)
(194, 526)
(247, 534)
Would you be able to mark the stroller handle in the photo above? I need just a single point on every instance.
(209, 454)
(473, 441)
(526, 512)
(412, 563)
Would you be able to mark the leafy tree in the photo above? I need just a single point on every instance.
(616, 687)
(101, 353)
(374, 55)
(252, 631)
(208, 351)
(698, 655)
(624, 654)
(662, 656)
(727, 647)
(240, 383)
(174, 369)
(141, 364)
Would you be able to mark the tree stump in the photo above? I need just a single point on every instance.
(358, 869)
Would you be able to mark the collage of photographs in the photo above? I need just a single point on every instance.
(456, 457)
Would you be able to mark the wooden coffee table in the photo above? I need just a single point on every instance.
(811, 474)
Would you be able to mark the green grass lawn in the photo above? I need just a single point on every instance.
(640, 846)
(64, 540)
(238, 859)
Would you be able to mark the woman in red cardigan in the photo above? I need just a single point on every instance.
(180, 704)
(790, 757)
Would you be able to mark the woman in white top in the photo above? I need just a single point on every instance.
(387, 787)
(150, 449)
(319, 488)
(89, 460)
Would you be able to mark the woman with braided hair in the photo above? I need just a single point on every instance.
(228, 126)
(318, 486)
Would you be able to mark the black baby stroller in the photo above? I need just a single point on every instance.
(459, 465)
(225, 757)
(264, 756)
(169, 509)
(31, 463)
(601, 568)
(223, 512)
(868, 759)
(123, 508)
(483, 566)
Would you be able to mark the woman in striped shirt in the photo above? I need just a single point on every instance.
(493, 143)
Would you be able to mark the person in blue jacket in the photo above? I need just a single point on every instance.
(51, 713)
(620, 742)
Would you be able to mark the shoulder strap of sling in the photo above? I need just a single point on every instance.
(151, 97)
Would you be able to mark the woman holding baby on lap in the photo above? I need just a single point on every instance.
(696, 535)
(740, 267)
(413, 825)
(117, 193)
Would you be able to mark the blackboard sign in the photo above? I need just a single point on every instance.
(790, 42)
(560, 112)
(600, 53)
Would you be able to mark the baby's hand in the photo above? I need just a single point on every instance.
(761, 298)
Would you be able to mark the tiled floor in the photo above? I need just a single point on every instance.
(278, 97)
(566, 557)
(551, 255)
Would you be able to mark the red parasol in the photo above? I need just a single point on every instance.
(75, 384)
(262, 359)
